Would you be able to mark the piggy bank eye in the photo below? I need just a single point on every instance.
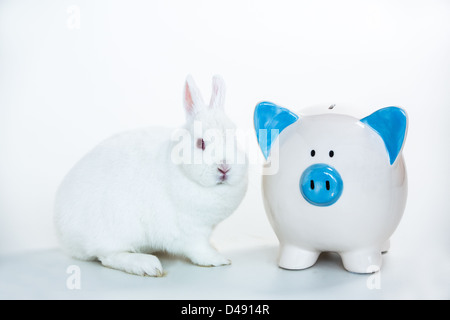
(313, 153)
(331, 153)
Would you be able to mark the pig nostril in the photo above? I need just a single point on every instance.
(312, 184)
(327, 185)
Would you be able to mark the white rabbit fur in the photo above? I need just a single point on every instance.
(127, 199)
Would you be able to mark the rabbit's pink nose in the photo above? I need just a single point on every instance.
(223, 168)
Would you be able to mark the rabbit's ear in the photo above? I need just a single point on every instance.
(218, 93)
(193, 101)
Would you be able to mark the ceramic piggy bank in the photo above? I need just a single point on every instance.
(340, 183)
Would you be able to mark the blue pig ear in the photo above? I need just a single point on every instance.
(270, 120)
(391, 124)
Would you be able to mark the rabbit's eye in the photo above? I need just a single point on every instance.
(201, 144)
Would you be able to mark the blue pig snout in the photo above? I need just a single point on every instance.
(321, 185)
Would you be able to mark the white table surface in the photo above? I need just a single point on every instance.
(252, 275)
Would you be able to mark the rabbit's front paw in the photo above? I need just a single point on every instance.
(134, 263)
(209, 259)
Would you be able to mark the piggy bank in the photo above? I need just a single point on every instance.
(340, 183)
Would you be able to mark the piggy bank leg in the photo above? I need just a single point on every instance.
(363, 261)
(295, 258)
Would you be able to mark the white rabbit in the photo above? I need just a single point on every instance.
(131, 197)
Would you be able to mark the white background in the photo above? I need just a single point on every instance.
(63, 90)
